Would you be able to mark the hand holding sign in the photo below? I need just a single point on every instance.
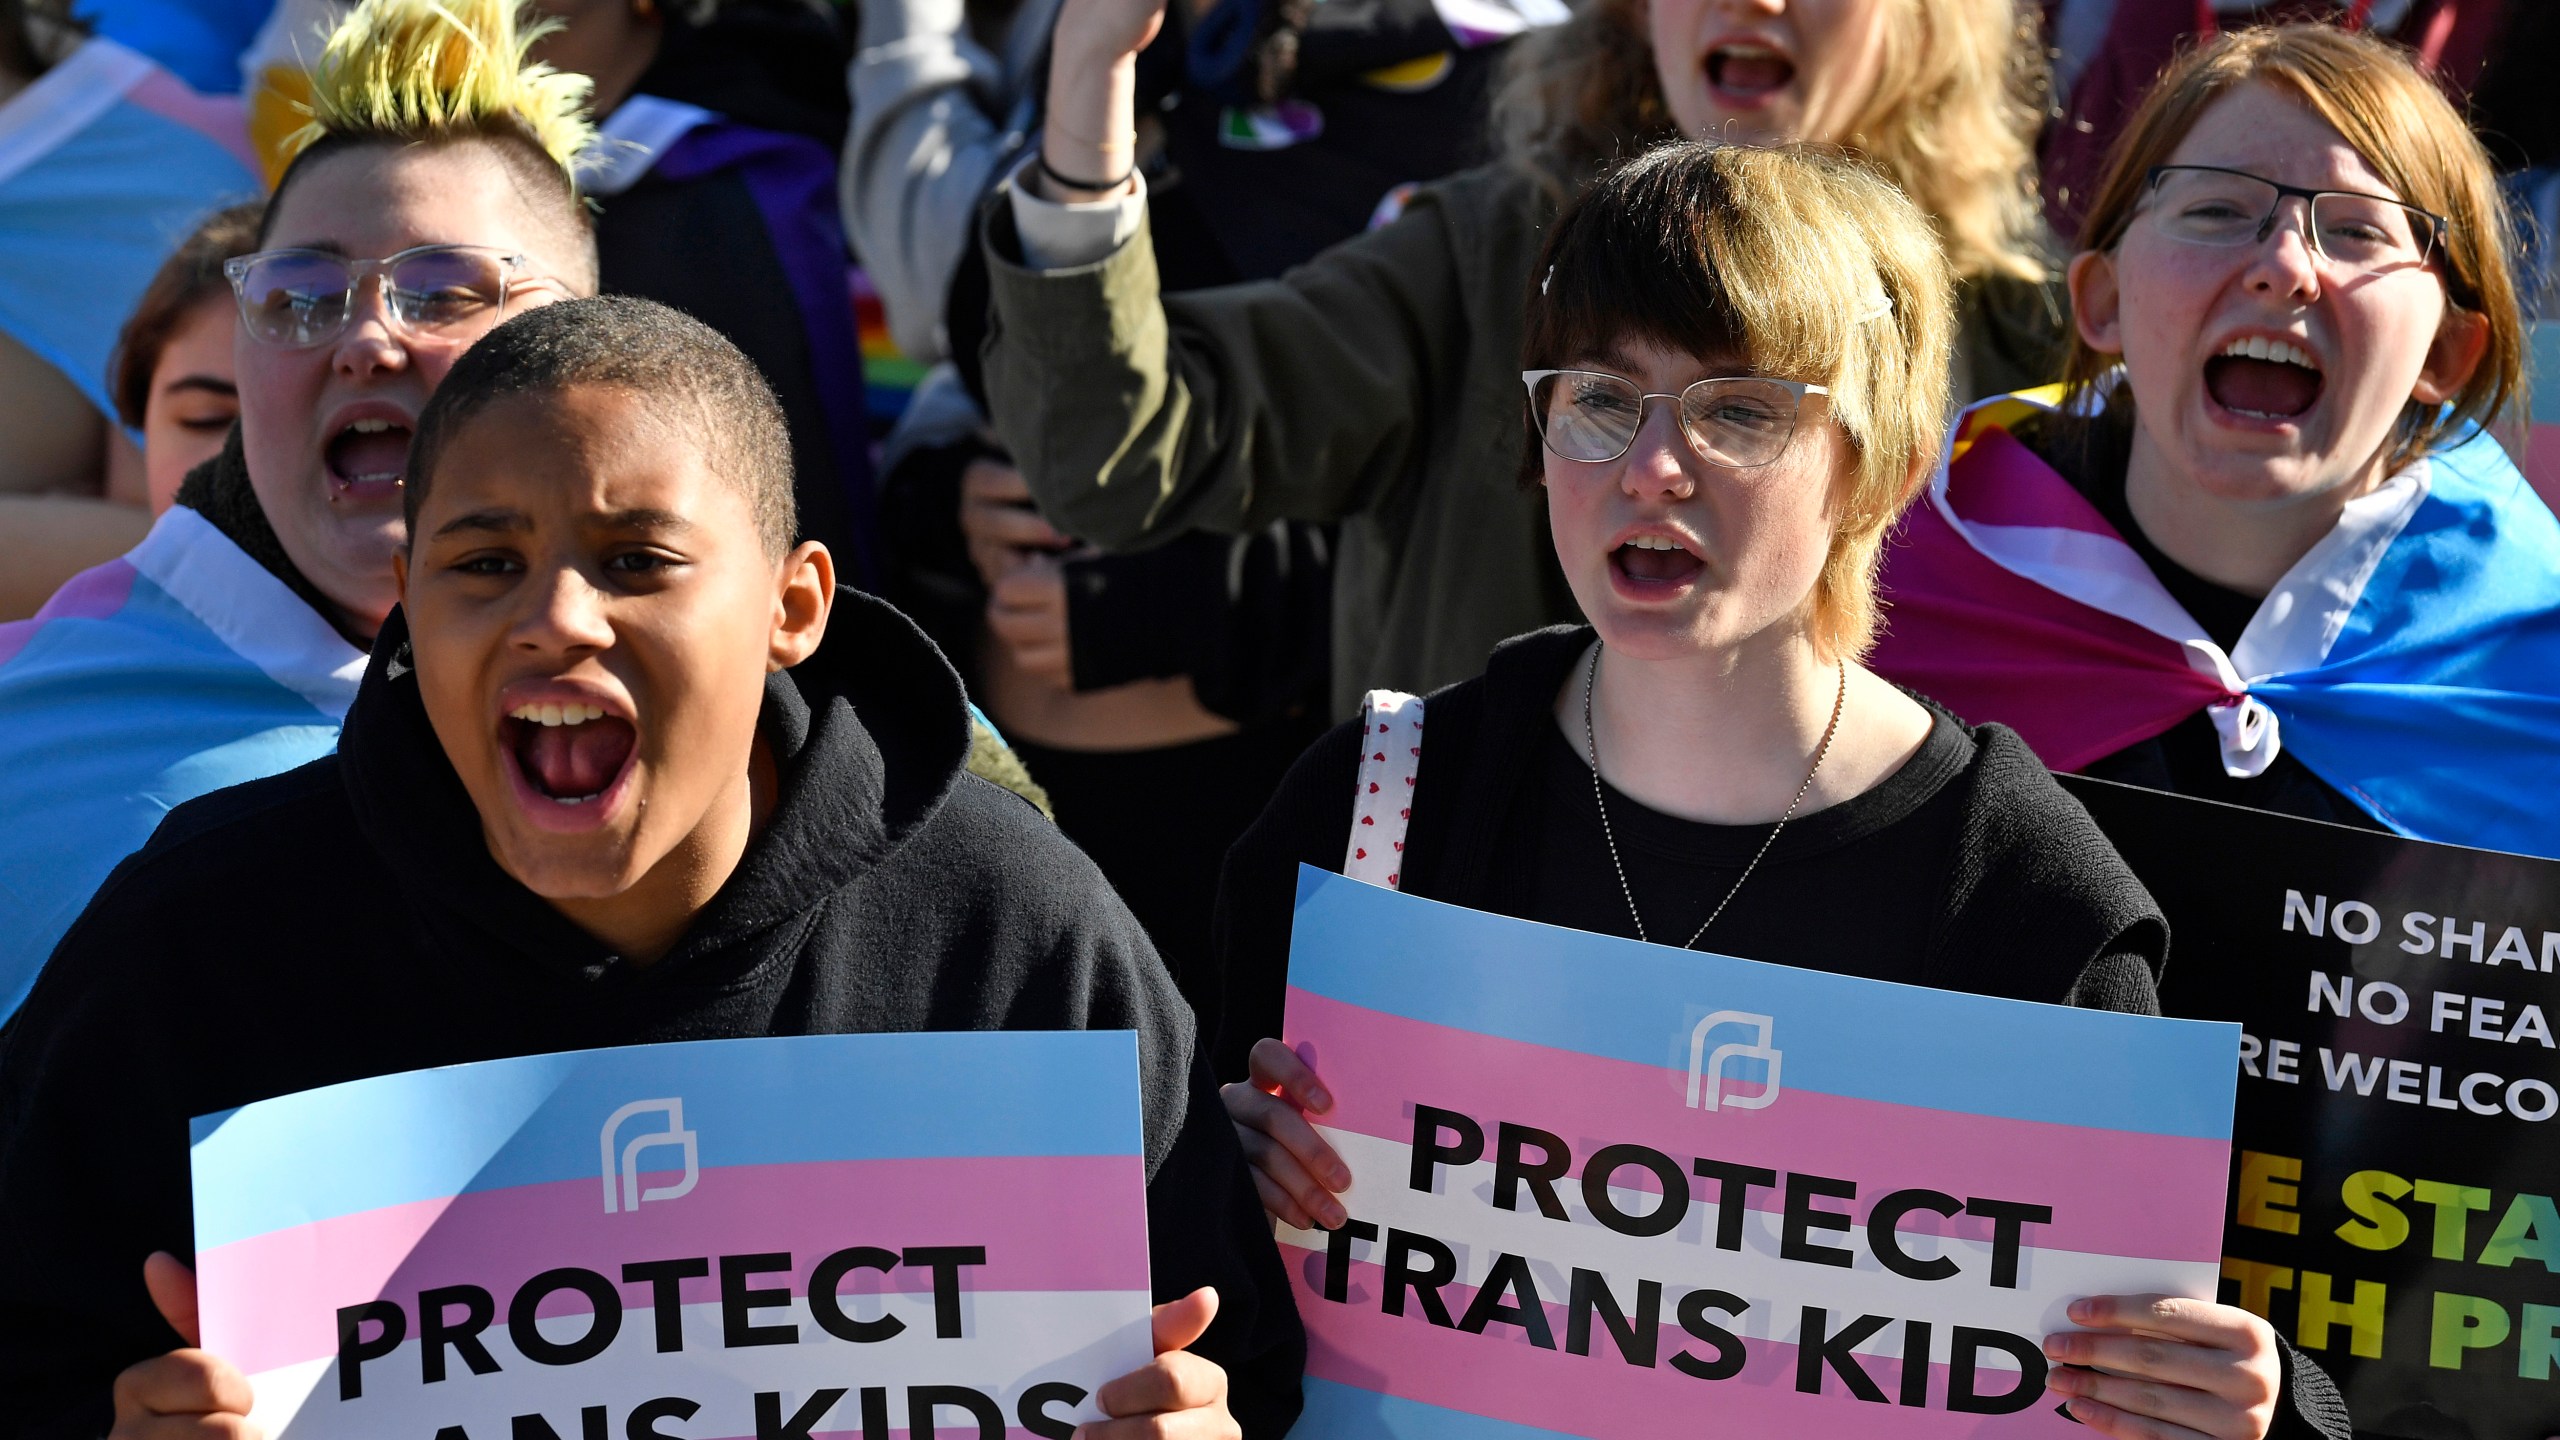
(1270, 1116)
(185, 1394)
(2150, 1367)
(1178, 1397)
(2160, 1367)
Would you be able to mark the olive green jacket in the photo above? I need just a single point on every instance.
(1377, 386)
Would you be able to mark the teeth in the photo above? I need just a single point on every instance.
(550, 714)
(1654, 542)
(1750, 52)
(2259, 347)
(368, 427)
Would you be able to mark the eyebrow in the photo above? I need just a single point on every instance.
(493, 521)
(209, 384)
(500, 520)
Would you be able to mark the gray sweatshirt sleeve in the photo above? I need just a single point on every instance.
(934, 121)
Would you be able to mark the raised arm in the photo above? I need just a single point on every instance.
(1137, 417)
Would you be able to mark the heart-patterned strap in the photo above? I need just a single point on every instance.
(1382, 803)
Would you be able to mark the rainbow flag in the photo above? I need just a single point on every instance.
(820, 1231)
(1610, 1189)
(889, 376)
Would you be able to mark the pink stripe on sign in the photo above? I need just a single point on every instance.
(948, 1422)
(1048, 1223)
(2001, 482)
(92, 594)
(1500, 1373)
(1372, 1061)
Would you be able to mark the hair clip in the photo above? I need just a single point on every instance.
(1550, 280)
(1879, 305)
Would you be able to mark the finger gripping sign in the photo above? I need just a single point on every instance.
(855, 1235)
(1611, 1189)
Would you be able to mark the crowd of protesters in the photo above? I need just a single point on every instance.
(634, 521)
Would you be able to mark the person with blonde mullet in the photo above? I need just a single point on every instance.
(430, 197)
(2259, 547)
(1735, 380)
(1373, 385)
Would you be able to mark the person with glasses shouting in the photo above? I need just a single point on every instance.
(2259, 546)
(1372, 386)
(430, 198)
(1738, 378)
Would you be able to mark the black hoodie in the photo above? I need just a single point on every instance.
(345, 919)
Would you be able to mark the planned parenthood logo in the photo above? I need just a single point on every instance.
(1741, 1055)
(622, 1170)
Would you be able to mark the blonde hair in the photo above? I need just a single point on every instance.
(2404, 128)
(438, 69)
(1952, 118)
(1797, 263)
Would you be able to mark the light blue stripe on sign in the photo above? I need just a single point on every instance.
(1601, 995)
(426, 1134)
(1333, 1409)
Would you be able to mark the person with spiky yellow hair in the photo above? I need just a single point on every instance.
(430, 196)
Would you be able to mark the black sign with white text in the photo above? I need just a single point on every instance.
(2397, 1146)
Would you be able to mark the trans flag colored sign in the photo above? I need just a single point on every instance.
(860, 1234)
(1611, 1189)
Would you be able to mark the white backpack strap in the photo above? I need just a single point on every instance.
(1382, 803)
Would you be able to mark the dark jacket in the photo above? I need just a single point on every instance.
(345, 920)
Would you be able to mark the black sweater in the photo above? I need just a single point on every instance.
(1968, 870)
(2020, 895)
(345, 920)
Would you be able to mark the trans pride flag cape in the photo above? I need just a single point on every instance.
(2411, 659)
(180, 668)
(106, 163)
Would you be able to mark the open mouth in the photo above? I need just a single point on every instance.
(368, 458)
(2263, 379)
(1746, 72)
(569, 754)
(1654, 562)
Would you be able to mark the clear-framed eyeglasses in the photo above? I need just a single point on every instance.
(1738, 421)
(2352, 231)
(301, 298)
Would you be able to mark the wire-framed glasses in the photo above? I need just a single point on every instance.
(1737, 421)
(2356, 232)
(301, 298)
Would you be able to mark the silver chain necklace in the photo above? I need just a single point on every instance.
(1591, 747)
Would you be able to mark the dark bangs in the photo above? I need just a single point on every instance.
(1626, 261)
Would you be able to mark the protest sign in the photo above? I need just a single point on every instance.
(1605, 1188)
(858, 1234)
(2396, 1152)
